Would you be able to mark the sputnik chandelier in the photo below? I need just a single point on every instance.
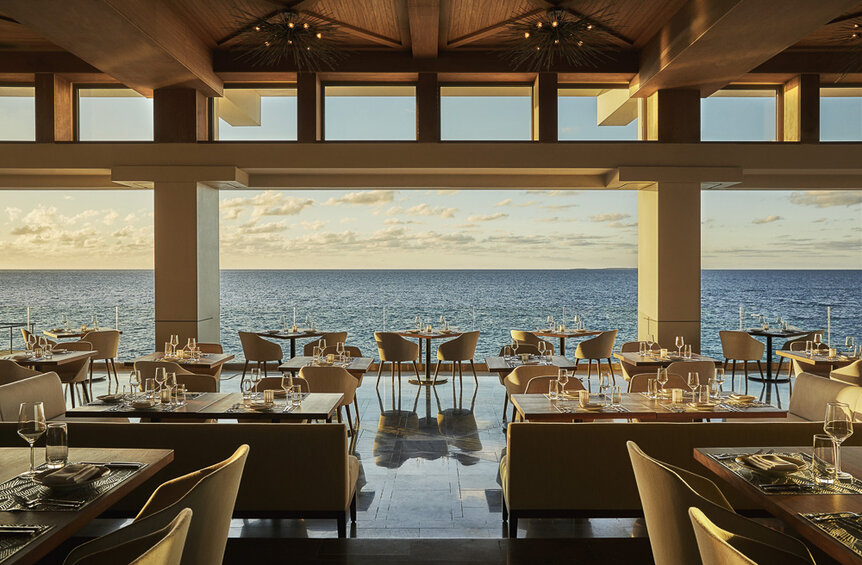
(311, 42)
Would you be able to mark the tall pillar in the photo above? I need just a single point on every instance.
(179, 115)
(428, 108)
(669, 230)
(53, 108)
(309, 108)
(799, 109)
(545, 108)
(186, 227)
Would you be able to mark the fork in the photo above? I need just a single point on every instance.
(34, 502)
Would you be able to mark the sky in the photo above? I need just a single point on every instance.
(434, 229)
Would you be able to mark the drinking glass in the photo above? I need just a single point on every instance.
(170, 385)
(31, 342)
(191, 343)
(701, 396)
(168, 350)
(285, 386)
(514, 347)
(642, 348)
(651, 341)
(850, 344)
(339, 348)
(693, 382)
(322, 343)
(616, 396)
(563, 379)
(49, 351)
(542, 348)
(719, 381)
(661, 377)
(818, 339)
(823, 459)
(553, 388)
(809, 348)
(417, 321)
(255, 378)
(551, 323)
(31, 426)
(180, 395)
(686, 351)
(161, 377)
(296, 396)
(652, 388)
(316, 353)
(134, 381)
(839, 425)
(175, 340)
(56, 445)
(680, 341)
(150, 390)
(507, 351)
(247, 388)
(605, 386)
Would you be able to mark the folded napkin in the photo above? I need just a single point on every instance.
(19, 356)
(742, 398)
(73, 474)
(772, 463)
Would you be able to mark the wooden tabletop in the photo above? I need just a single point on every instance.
(430, 335)
(358, 365)
(775, 332)
(218, 405)
(58, 359)
(500, 365)
(787, 507)
(207, 361)
(299, 334)
(539, 408)
(15, 460)
(72, 334)
(655, 360)
(566, 333)
(817, 360)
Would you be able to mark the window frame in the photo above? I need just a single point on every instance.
(410, 83)
(212, 119)
(531, 84)
(76, 110)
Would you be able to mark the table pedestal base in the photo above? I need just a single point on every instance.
(428, 382)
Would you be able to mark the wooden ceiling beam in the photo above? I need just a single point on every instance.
(424, 18)
(144, 45)
(490, 30)
(358, 32)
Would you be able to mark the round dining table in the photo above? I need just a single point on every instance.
(428, 337)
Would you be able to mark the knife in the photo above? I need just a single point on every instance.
(23, 530)
(120, 464)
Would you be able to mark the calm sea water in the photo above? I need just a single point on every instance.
(491, 301)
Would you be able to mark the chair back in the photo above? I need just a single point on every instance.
(704, 369)
(393, 347)
(628, 369)
(210, 348)
(353, 350)
(45, 388)
(211, 494)
(330, 379)
(850, 374)
(147, 369)
(516, 382)
(105, 342)
(540, 385)
(274, 383)
(27, 333)
(523, 337)
(739, 346)
(522, 348)
(139, 543)
(638, 383)
(255, 348)
(331, 338)
(799, 345)
(718, 546)
(801, 339)
(812, 392)
(462, 348)
(194, 382)
(10, 371)
(76, 371)
(599, 347)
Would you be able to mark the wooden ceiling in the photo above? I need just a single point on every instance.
(384, 24)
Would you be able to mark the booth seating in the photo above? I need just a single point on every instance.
(810, 395)
(46, 388)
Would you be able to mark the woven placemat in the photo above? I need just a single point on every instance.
(800, 482)
(848, 535)
(12, 543)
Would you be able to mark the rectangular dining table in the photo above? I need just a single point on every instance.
(207, 360)
(63, 524)
(503, 366)
(656, 360)
(564, 334)
(216, 406)
(358, 365)
(292, 336)
(788, 507)
(57, 359)
(540, 408)
(817, 360)
(74, 334)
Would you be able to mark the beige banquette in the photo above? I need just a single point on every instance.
(324, 476)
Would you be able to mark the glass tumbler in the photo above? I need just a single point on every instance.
(553, 387)
(56, 445)
(823, 460)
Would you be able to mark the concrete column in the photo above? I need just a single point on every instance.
(309, 108)
(545, 107)
(427, 108)
(179, 116)
(669, 229)
(799, 109)
(53, 108)
(186, 261)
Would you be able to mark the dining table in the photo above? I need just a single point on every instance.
(564, 334)
(635, 405)
(217, 406)
(815, 512)
(655, 359)
(292, 336)
(427, 337)
(57, 359)
(52, 525)
(206, 361)
(76, 333)
(770, 333)
(502, 366)
(357, 366)
(818, 360)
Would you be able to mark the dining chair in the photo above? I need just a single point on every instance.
(788, 346)
(274, 383)
(540, 385)
(739, 346)
(639, 382)
(27, 333)
(457, 350)
(10, 371)
(627, 369)
(718, 546)
(255, 349)
(667, 492)
(334, 379)
(331, 338)
(76, 373)
(147, 542)
(522, 348)
(850, 374)
(395, 350)
(105, 344)
(532, 339)
(211, 494)
(597, 348)
(355, 353)
(798, 367)
(195, 382)
(705, 369)
(516, 382)
(211, 349)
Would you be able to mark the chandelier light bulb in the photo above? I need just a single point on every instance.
(266, 43)
(290, 25)
(556, 42)
(539, 25)
(290, 42)
(580, 43)
(554, 23)
(589, 26)
(526, 35)
(256, 28)
(305, 25)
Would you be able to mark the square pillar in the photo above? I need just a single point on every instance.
(545, 108)
(309, 108)
(53, 108)
(180, 115)
(427, 108)
(186, 232)
(799, 109)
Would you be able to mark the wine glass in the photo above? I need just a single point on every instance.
(542, 348)
(322, 344)
(31, 426)
(191, 344)
(31, 342)
(838, 423)
(605, 385)
(285, 386)
(417, 321)
(255, 378)
(818, 339)
(693, 382)
(339, 349)
(550, 323)
(650, 341)
(850, 343)
(134, 381)
(514, 348)
(161, 378)
(563, 379)
(680, 342)
(661, 378)
(719, 381)
(171, 385)
(174, 341)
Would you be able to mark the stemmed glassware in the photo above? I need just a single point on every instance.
(417, 321)
(31, 426)
(661, 378)
(818, 339)
(850, 344)
(286, 386)
(550, 322)
(680, 342)
(838, 423)
(719, 381)
(650, 341)
(174, 341)
(693, 382)
(171, 384)
(31, 342)
(191, 344)
(542, 347)
(161, 378)
(134, 382)
(605, 386)
(563, 379)
(255, 378)
(339, 349)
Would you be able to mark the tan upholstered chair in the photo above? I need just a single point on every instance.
(718, 546)
(522, 348)
(147, 542)
(798, 367)
(789, 346)
(330, 338)
(638, 383)
(850, 374)
(540, 385)
(739, 346)
(516, 381)
(457, 350)
(523, 337)
(334, 379)
(627, 369)
(26, 334)
(105, 344)
(274, 383)
(352, 349)
(195, 382)
(395, 350)
(705, 369)
(255, 349)
(76, 373)
(667, 492)
(210, 348)
(211, 494)
(597, 348)
(45, 388)
(10, 371)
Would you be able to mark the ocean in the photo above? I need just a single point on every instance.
(493, 301)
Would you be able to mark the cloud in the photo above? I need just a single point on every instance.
(827, 198)
(559, 206)
(487, 218)
(231, 213)
(767, 219)
(422, 210)
(365, 197)
(505, 202)
(509, 202)
(269, 203)
(609, 217)
(553, 193)
(312, 226)
(110, 218)
(623, 225)
(14, 213)
(397, 222)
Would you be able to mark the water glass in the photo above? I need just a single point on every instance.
(168, 350)
(702, 395)
(150, 390)
(652, 388)
(642, 348)
(134, 382)
(296, 396)
(553, 388)
(316, 352)
(823, 459)
(616, 396)
(180, 395)
(31, 426)
(56, 445)
(563, 379)
(49, 351)
(686, 352)
(676, 395)
(247, 394)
